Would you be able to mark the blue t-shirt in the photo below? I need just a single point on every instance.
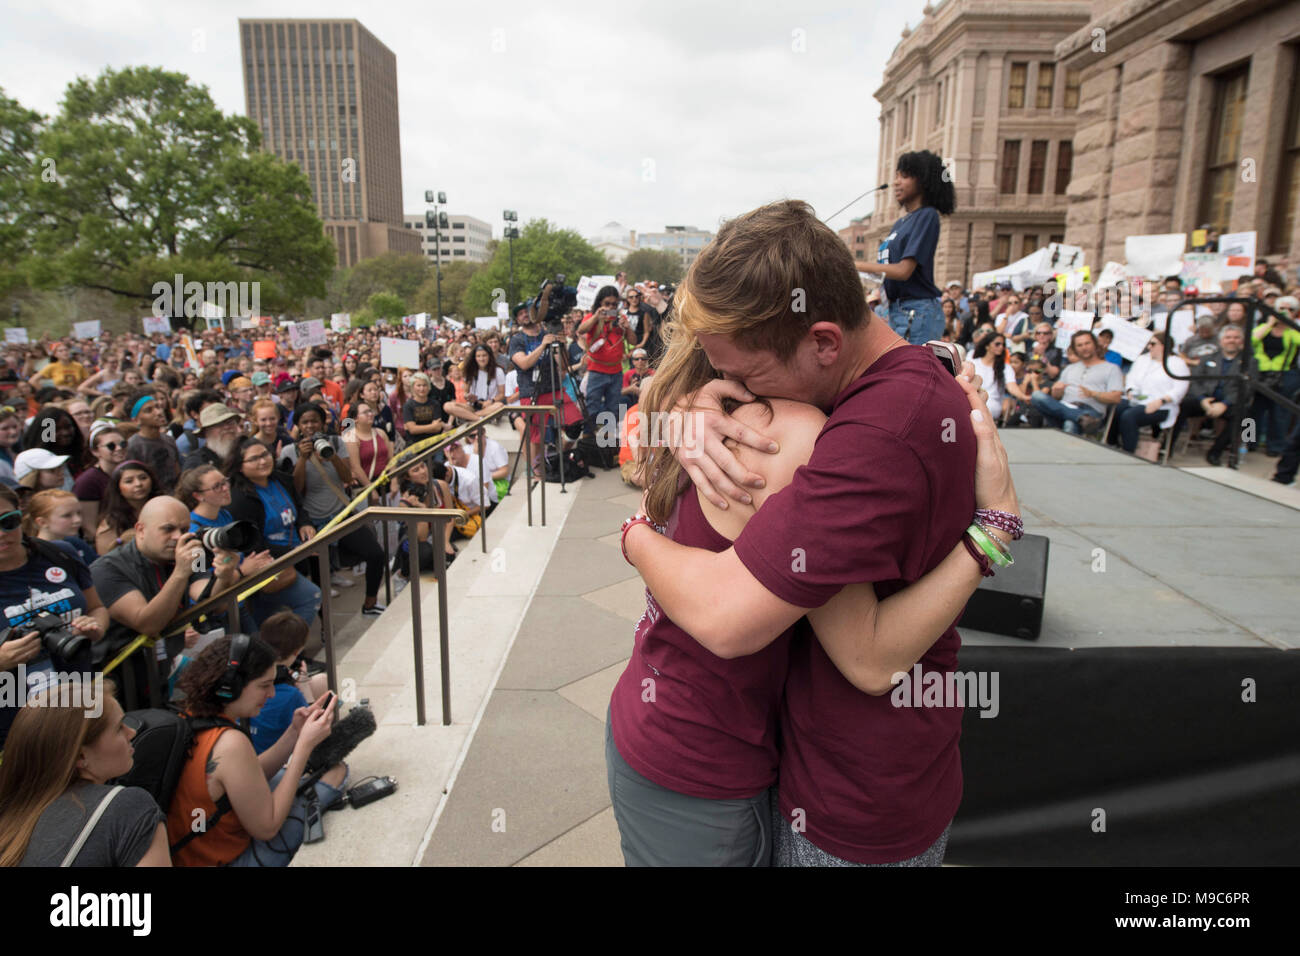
(915, 236)
(275, 716)
(198, 523)
(163, 351)
(281, 523)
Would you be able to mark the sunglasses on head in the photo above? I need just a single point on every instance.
(11, 521)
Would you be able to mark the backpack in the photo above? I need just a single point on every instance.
(164, 739)
(574, 466)
(595, 454)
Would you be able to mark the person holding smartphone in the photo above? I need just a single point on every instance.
(607, 331)
(248, 802)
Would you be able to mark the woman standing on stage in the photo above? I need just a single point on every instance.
(906, 256)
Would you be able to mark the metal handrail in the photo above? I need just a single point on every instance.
(226, 602)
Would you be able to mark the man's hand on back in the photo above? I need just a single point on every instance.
(696, 430)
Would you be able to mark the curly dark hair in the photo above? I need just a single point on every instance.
(114, 508)
(928, 171)
(198, 682)
(48, 420)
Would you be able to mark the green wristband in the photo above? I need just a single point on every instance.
(995, 550)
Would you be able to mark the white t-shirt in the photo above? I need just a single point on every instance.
(996, 390)
(486, 388)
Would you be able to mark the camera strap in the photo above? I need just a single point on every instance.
(329, 480)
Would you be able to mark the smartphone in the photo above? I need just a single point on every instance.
(949, 353)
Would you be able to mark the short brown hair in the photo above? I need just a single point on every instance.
(285, 632)
(768, 276)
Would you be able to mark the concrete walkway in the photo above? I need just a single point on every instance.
(531, 790)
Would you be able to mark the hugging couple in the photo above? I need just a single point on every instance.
(818, 535)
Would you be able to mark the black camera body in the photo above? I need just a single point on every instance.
(420, 491)
(57, 637)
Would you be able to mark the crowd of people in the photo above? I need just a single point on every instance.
(1033, 382)
(117, 454)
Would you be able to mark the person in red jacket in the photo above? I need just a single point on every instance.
(607, 331)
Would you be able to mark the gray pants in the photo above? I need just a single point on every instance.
(795, 849)
(660, 827)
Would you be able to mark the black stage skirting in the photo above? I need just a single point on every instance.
(1188, 774)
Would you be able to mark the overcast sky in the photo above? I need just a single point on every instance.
(656, 113)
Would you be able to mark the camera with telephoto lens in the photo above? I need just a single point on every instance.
(236, 536)
(57, 637)
(420, 491)
(563, 300)
(323, 447)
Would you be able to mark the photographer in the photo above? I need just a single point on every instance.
(38, 577)
(322, 477)
(264, 820)
(527, 348)
(148, 580)
(58, 761)
(607, 331)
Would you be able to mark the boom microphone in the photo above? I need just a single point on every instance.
(347, 733)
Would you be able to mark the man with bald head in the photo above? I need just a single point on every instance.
(146, 582)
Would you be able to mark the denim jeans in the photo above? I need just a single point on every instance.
(302, 597)
(280, 849)
(604, 393)
(917, 320)
(1131, 417)
(1059, 415)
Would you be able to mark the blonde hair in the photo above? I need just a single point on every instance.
(41, 505)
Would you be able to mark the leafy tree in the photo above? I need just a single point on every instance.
(19, 128)
(456, 277)
(149, 179)
(541, 251)
(386, 305)
(653, 264)
(392, 272)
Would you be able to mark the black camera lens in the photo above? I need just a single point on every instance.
(236, 536)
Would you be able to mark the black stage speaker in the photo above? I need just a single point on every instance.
(1011, 602)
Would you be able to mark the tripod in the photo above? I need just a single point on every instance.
(561, 371)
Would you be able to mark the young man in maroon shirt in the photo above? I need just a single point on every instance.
(885, 498)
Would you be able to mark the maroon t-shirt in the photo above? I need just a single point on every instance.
(886, 496)
(704, 726)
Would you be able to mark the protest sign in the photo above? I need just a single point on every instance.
(454, 324)
(1129, 339)
(588, 286)
(1160, 255)
(87, 330)
(16, 336)
(1070, 322)
(264, 349)
(216, 322)
(1237, 250)
(341, 321)
(1112, 274)
(303, 335)
(399, 353)
(487, 322)
(1201, 271)
(154, 324)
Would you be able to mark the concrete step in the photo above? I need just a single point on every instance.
(487, 596)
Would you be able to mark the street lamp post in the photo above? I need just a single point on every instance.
(512, 233)
(437, 221)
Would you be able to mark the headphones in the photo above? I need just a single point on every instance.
(231, 684)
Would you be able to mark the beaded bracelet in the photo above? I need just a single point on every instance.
(997, 551)
(986, 568)
(1002, 520)
(638, 519)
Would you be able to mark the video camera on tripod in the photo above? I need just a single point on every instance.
(562, 299)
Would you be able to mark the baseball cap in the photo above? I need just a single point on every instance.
(308, 385)
(288, 385)
(36, 459)
(954, 282)
(215, 414)
(260, 379)
(228, 374)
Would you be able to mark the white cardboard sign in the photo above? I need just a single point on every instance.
(87, 330)
(304, 335)
(399, 353)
